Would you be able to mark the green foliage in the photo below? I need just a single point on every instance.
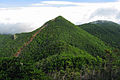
(14, 69)
(108, 32)
(61, 62)
(9, 46)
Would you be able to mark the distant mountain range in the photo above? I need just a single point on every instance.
(61, 50)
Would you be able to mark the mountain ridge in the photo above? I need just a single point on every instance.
(108, 32)
(27, 43)
(61, 30)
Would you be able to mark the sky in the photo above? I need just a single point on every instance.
(18, 16)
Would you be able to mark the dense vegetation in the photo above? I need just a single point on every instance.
(105, 30)
(14, 69)
(9, 44)
(58, 35)
(61, 51)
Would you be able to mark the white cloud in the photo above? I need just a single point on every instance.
(105, 13)
(21, 19)
(14, 28)
(34, 17)
(54, 3)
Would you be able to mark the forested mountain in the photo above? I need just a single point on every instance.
(59, 50)
(105, 30)
(58, 35)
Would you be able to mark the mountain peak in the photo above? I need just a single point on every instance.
(60, 20)
(59, 17)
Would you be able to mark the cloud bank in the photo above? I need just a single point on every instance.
(14, 28)
(25, 19)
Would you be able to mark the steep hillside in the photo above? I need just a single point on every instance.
(9, 44)
(105, 30)
(57, 34)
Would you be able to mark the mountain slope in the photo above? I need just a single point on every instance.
(105, 30)
(9, 44)
(57, 35)
(29, 41)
